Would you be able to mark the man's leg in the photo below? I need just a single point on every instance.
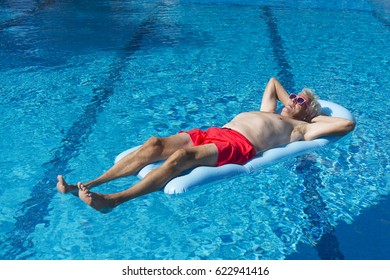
(153, 150)
(178, 162)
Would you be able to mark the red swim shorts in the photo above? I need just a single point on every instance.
(233, 147)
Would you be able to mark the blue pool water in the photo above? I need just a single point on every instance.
(81, 81)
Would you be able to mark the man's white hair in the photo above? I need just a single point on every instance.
(315, 106)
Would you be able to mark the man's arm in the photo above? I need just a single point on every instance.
(273, 92)
(327, 126)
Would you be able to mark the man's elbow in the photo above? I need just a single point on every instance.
(274, 81)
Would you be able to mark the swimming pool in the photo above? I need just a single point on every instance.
(82, 81)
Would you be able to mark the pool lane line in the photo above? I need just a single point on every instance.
(376, 13)
(325, 243)
(320, 231)
(279, 53)
(41, 5)
(34, 210)
(380, 18)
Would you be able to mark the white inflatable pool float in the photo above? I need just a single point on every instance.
(205, 174)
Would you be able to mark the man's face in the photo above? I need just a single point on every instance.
(298, 107)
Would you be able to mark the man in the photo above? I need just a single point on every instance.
(236, 142)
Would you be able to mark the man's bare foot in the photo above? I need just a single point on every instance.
(97, 201)
(63, 187)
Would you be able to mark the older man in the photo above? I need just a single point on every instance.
(236, 142)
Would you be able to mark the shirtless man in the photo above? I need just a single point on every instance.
(237, 142)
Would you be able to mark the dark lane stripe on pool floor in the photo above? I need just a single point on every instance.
(319, 231)
(380, 12)
(381, 18)
(278, 50)
(34, 210)
(40, 5)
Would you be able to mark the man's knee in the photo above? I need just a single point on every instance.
(154, 142)
(179, 159)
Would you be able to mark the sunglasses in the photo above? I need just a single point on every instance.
(299, 100)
